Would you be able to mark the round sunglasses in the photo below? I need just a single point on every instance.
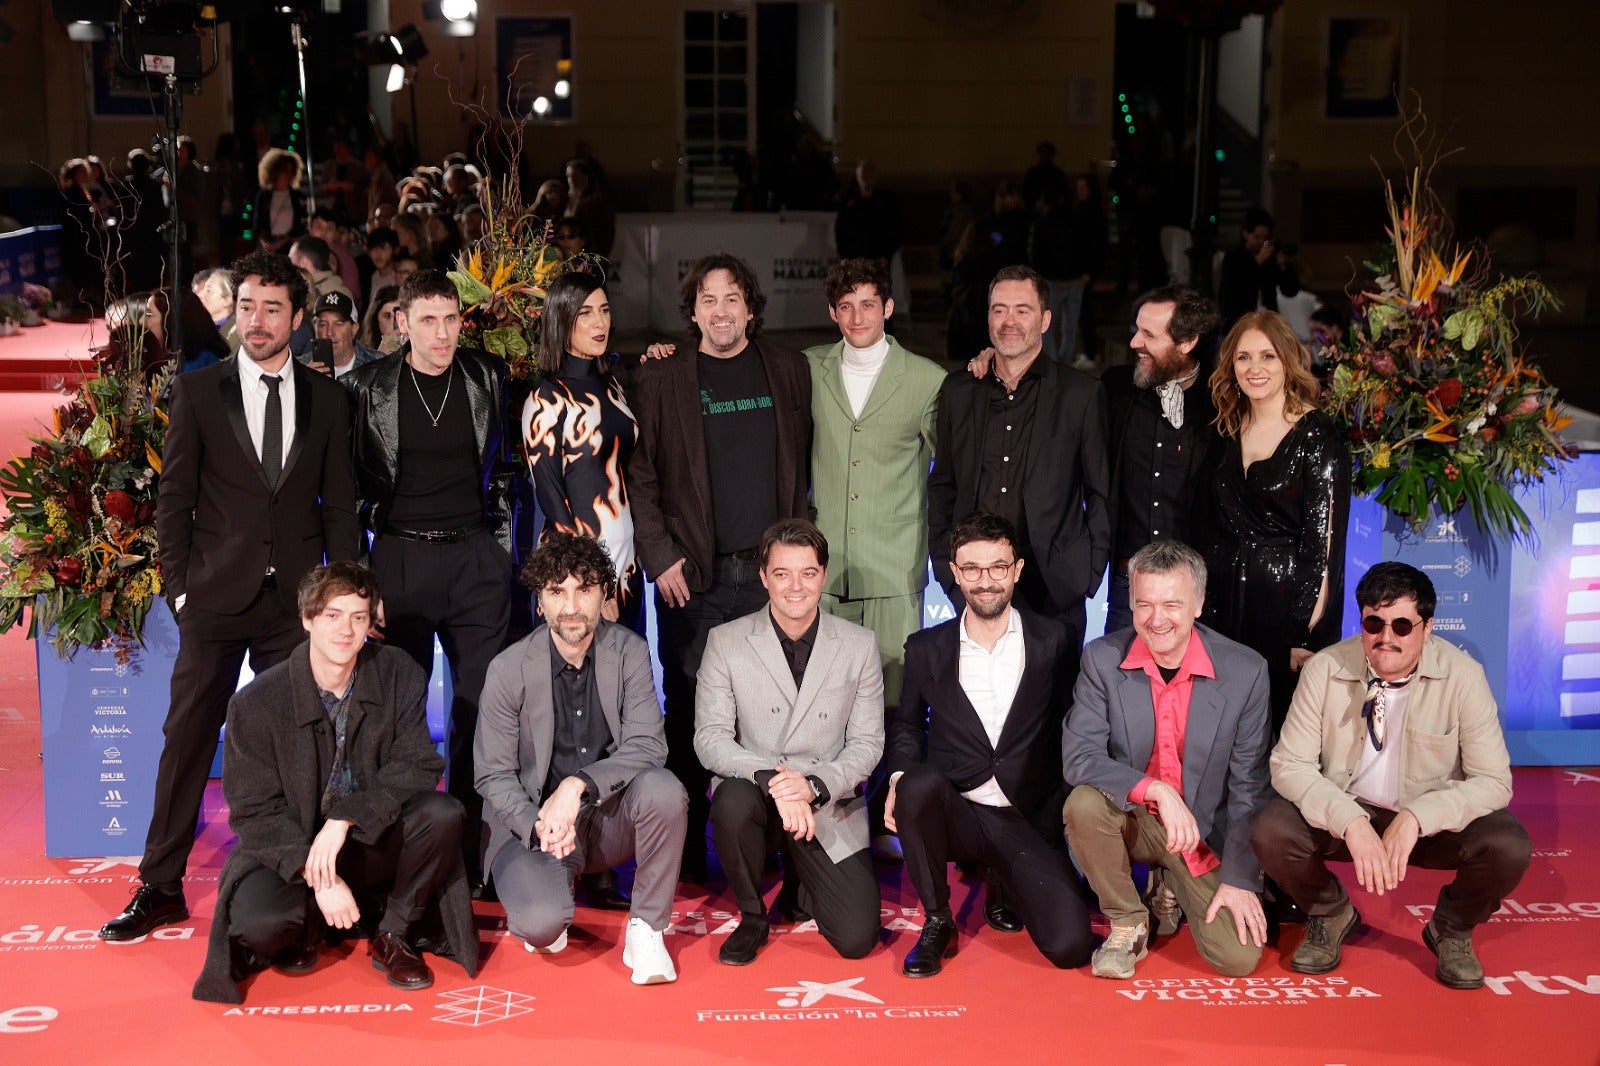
(1402, 626)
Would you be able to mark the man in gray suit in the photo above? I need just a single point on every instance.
(1166, 753)
(570, 752)
(789, 717)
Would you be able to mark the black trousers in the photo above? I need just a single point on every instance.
(398, 874)
(681, 633)
(842, 896)
(1490, 855)
(939, 825)
(211, 649)
(460, 593)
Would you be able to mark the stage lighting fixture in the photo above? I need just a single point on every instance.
(563, 88)
(85, 31)
(408, 40)
(459, 10)
(541, 106)
(457, 18)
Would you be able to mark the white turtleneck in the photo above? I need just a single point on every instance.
(860, 369)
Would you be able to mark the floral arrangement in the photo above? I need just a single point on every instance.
(38, 297)
(1441, 401)
(78, 544)
(11, 309)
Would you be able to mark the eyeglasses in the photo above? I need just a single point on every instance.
(1402, 626)
(995, 571)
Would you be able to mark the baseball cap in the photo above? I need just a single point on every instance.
(338, 301)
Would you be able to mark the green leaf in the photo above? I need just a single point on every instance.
(97, 438)
(470, 289)
(507, 342)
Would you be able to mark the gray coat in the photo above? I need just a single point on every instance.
(749, 717)
(277, 754)
(516, 727)
(1110, 734)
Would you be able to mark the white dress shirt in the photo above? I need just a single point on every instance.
(990, 680)
(255, 402)
(860, 369)
(1377, 777)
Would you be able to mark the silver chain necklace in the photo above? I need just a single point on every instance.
(449, 379)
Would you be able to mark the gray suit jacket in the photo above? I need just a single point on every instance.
(749, 717)
(516, 727)
(1110, 734)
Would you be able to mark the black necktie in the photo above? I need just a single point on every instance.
(272, 432)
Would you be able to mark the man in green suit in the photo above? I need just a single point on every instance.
(873, 406)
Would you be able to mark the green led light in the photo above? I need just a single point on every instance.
(1115, 199)
(1221, 155)
(295, 126)
(1131, 129)
(1124, 109)
(1213, 218)
(1121, 97)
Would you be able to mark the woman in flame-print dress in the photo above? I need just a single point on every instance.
(577, 433)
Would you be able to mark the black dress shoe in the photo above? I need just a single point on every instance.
(395, 959)
(742, 944)
(937, 943)
(1000, 917)
(150, 908)
(601, 892)
(295, 960)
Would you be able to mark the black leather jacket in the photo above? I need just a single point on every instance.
(375, 435)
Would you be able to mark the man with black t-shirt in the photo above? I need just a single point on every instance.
(723, 439)
(433, 480)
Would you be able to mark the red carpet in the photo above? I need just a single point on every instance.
(48, 356)
(67, 997)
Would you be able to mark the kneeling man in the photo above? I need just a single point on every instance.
(570, 752)
(975, 770)
(1166, 754)
(1392, 755)
(789, 717)
(330, 777)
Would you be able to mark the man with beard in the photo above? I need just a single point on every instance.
(974, 756)
(1161, 434)
(723, 439)
(1027, 442)
(570, 757)
(256, 486)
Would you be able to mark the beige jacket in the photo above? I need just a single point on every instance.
(1454, 767)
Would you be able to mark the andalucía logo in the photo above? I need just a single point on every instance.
(828, 1001)
(112, 730)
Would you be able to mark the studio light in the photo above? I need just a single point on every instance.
(563, 88)
(396, 80)
(458, 18)
(541, 106)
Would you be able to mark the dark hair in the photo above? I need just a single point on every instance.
(271, 268)
(1330, 316)
(1020, 272)
(329, 214)
(797, 533)
(371, 333)
(562, 302)
(1256, 216)
(315, 249)
(324, 584)
(745, 278)
(845, 276)
(139, 161)
(1193, 313)
(199, 332)
(979, 526)
(1165, 556)
(425, 283)
(1390, 581)
(564, 555)
(573, 223)
(383, 235)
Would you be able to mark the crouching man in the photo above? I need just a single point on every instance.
(330, 777)
(570, 755)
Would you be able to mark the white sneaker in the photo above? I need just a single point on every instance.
(645, 950)
(555, 947)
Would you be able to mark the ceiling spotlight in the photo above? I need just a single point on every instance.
(397, 79)
(563, 88)
(459, 10)
(541, 106)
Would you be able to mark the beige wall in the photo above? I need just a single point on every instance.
(50, 125)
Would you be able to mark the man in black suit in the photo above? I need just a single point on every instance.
(434, 479)
(723, 439)
(1027, 442)
(974, 756)
(1161, 436)
(256, 486)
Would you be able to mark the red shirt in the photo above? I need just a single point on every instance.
(1171, 700)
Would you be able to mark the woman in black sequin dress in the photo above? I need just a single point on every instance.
(1282, 495)
(577, 432)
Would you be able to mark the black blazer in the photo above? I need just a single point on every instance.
(375, 392)
(669, 479)
(936, 723)
(1067, 480)
(1198, 411)
(218, 526)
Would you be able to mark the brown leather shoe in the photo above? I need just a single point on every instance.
(396, 959)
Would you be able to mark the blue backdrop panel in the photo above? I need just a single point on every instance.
(1529, 614)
